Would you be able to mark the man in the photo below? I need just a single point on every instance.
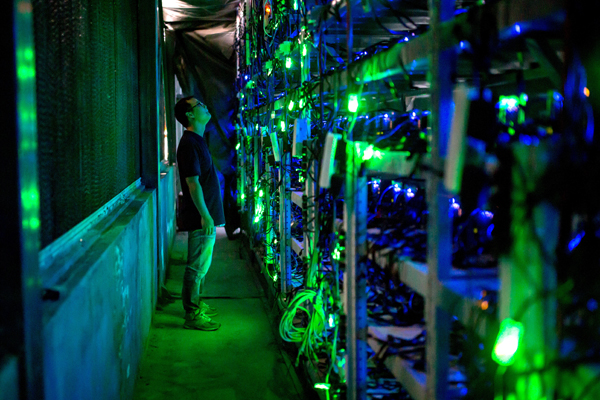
(201, 210)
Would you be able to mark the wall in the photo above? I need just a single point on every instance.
(95, 333)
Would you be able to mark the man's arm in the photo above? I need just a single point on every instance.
(198, 198)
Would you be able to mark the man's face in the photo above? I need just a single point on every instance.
(199, 111)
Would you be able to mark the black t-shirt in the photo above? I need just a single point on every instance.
(194, 159)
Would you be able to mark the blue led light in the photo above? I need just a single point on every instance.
(489, 230)
(526, 140)
(517, 28)
(575, 242)
(592, 305)
(504, 137)
(462, 44)
(406, 38)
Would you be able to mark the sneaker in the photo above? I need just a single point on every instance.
(202, 323)
(207, 310)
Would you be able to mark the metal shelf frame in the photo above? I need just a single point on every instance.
(448, 292)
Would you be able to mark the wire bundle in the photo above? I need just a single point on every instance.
(310, 335)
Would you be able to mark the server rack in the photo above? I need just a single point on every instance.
(449, 293)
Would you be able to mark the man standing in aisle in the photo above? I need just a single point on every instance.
(201, 210)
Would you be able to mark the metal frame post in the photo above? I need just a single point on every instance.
(285, 230)
(439, 242)
(21, 335)
(355, 280)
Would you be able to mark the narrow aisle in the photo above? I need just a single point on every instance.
(240, 361)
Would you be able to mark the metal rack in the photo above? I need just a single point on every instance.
(448, 292)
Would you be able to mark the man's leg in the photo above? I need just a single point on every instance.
(200, 249)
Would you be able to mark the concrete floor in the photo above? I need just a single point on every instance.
(240, 361)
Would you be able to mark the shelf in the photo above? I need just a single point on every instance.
(461, 296)
(297, 247)
(414, 274)
(461, 293)
(412, 380)
(297, 198)
(396, 163)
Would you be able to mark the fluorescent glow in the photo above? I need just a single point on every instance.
(368, 153)
(517, 28)
(288, 62)
(304, 51)
(243, 196)
(166, 146)
(322, 386)
(237, 146)
(295, 4)
(586, 92)
(282, 125)
(261, 193)
(301, 103)
(291, 105)
(275, 278)
(331, 321)
(509, 103)
(378, 154)
(507, 342)
(353, 103)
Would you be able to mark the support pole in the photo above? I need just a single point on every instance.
(439, 250)
(355, 280)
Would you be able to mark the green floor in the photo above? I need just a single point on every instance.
(240, 361)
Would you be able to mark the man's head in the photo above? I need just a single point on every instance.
(189, 111)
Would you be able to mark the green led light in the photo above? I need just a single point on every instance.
(378, 154)
(368, 153)
(256, 126)
(422, 135)
(304, 51)
(291, 105)
(295, 4)
(507, 342)
(288, 62)
(322, 386)
(282, 124)
(237, 146)
(261, 193)
(301, 103)
(243, 196)
(275, 278)
(336, 254)
(255, 188)
(331, 321)
(353, 103)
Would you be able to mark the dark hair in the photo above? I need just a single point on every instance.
(181, 108)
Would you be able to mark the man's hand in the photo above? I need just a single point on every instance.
(208, 224)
